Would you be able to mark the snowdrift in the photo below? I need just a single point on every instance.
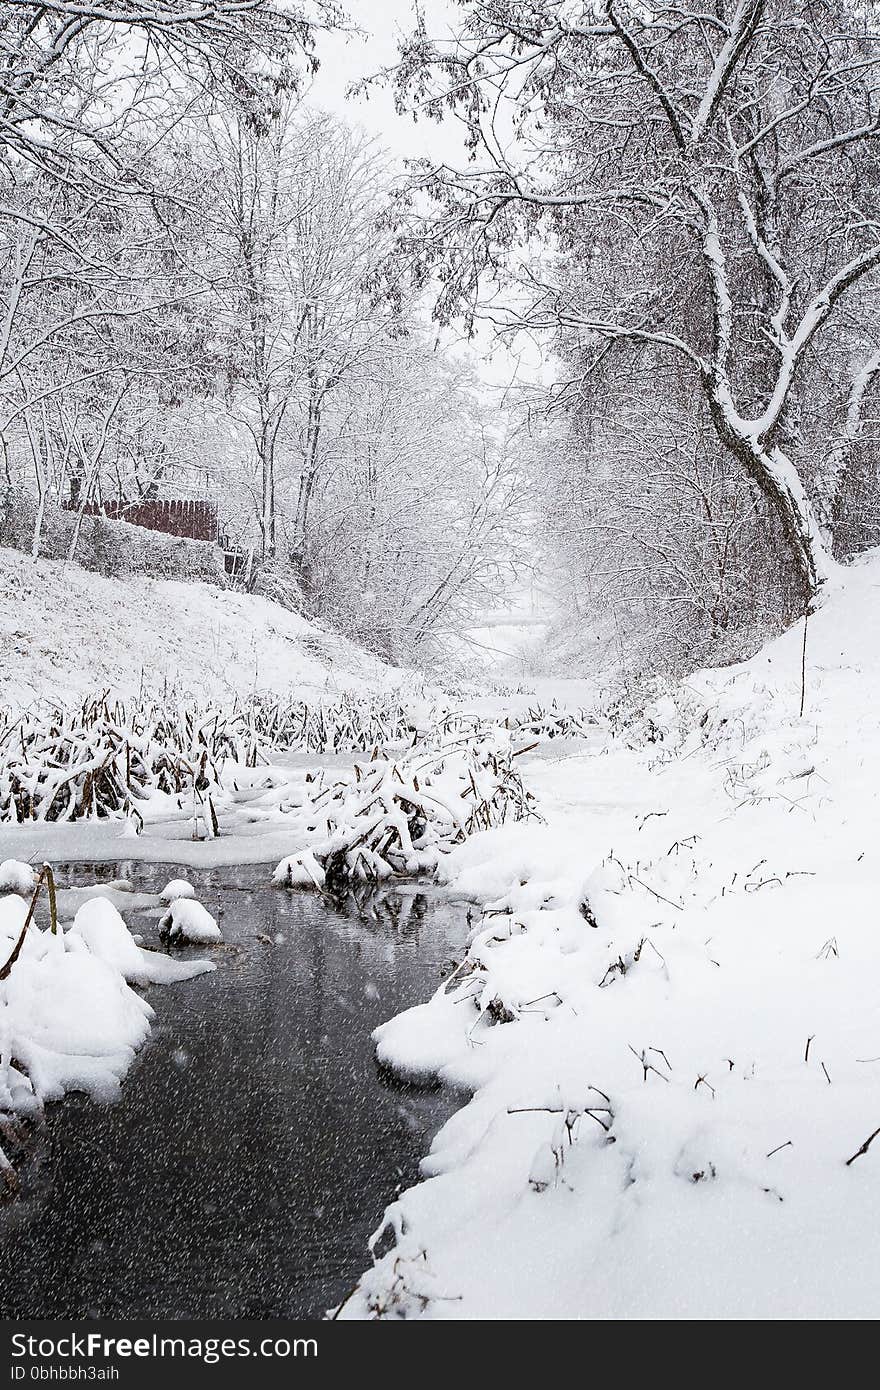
(667, 1016)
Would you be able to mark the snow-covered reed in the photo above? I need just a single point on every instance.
(98, 759)
(350, 724)
(101, 757)
(555, 722)
(399, 817)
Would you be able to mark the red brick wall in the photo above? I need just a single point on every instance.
(195, 520)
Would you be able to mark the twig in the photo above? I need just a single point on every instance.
(16, 950)
(659, 896)
(865, 1147)
(646, 1066)
(53, 906)
(788, 1144)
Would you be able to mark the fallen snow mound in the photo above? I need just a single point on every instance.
(69, 1019)
(102, 928)
(16, 877)
(177, 888)
(187, 921)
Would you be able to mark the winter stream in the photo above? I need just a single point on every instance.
(256, 1143)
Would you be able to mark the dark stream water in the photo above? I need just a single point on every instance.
(256, 1143)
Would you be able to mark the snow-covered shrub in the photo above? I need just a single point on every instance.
(69, 1020)
(279, 582)
(300, 871)
(106, 546)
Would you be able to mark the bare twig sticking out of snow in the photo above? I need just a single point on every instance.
(45, 876)
(646, 1065)
(864, 1148)
(779, 1147)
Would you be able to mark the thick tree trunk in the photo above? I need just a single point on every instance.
(778, 480)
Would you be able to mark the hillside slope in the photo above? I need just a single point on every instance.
(64, 631)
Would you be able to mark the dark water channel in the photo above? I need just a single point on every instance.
(256, 1143)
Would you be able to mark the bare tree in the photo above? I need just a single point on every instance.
(418, 528)
(109, 309)
(713, 169)
(91, 204)
(296, 241)
(75, 76)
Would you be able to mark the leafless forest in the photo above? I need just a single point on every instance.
(213, 288)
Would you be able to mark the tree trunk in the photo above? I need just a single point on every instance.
(267, 500)
(310, 470)
(778, 480)
(835, 467)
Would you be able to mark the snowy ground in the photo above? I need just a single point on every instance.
(668, 1017)
(65, 631)
(253, 828)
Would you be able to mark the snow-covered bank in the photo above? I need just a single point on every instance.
(668, 1017)
(69, 1019)
(140, 633)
